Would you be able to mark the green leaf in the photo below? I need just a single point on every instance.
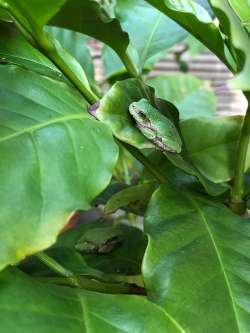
(112, 188)
(197, 262)
(185, 164)
(89, 18)
(45, 137)
(190, 95)
(16, 50)
(33, 29)
(30, 12)
(195, 19)
(76, 44)
(65, 256)
(175, 175)
(50, 308)
(150, 31)
(133, 198)
(127, 168)
(242, 9)
(4, 15)
(239, 40)
(114, 69)
(113, 111)
(194, 47)
(206, 5)
(211, 144)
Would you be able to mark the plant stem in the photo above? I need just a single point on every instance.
(43, 42)
(50, 51)
(94, 285)
(145, 161)
(54, 265)
(70, 279)
(130, 65)
(237, 202)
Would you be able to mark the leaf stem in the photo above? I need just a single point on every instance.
(41, 40)
(95, 285)
(50, 51)
(145, 162)
(130, 65)
(54, 265)
(70, 279)
(237, 202)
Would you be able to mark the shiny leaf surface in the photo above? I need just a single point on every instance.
(211, 144)
(48, 308)
(240, 42)
(191, 96)
(195, 19)
(16, 50)
(197, 262)
(150, 31)
(76, 44)
(89, 18)
(45, 137)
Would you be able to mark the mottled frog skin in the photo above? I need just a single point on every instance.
(99, 240)
(155, 127)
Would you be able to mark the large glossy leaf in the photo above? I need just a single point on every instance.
(4, 15)
(150, 31)
(211, 144)
(240, 42)
(89, 18)
(25, 17)
(30, 12)
(190, 95)
(133, 198)
(28, 306)
(185, 164)
(182, 178)
(114, 69)
(242, 9)
(195, 19)
(55, 158)
(113, 111)
(16, 50)
(76, 44)
(197, 262)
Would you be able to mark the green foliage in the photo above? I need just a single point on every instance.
(46, 307)
(190, 95)
(92, 205)
(194, 259)
(45, 136)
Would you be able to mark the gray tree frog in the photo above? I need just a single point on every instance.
(155, 127)
(99, 240)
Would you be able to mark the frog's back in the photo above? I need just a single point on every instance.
(167, 134)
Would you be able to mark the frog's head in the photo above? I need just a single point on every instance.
(138, 111)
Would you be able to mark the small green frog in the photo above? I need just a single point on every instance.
(155, 127)
(99, 240)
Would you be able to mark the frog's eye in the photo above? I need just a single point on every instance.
(142, 115)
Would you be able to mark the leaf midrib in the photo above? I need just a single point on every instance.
(151, 36)
(33, 61)
(199, 211)
(37, 127)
